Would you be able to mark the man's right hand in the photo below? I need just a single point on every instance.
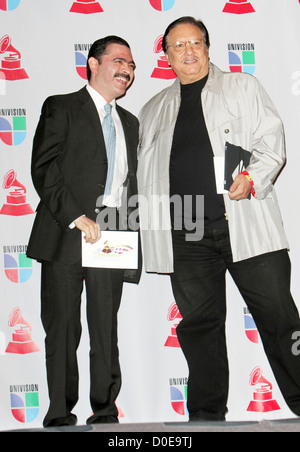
(90, 228)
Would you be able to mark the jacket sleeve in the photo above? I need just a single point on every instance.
(268, 153)
(48, 149)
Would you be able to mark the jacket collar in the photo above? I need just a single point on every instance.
(214, 83)
(215, 79)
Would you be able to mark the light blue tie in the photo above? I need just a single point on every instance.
(109, 133)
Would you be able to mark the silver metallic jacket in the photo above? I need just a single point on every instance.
(237, 110)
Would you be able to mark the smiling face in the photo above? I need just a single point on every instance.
(190, 65)
(113, 76)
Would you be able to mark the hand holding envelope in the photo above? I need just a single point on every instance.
(240, 189)
(90, 228)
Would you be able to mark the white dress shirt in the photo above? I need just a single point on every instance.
(121, 165)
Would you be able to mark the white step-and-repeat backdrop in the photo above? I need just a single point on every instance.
(43, 50)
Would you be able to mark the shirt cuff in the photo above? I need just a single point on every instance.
(72, 225)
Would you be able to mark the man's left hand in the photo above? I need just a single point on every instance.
(240, 188)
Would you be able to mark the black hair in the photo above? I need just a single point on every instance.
(99, 48)
(186, 20)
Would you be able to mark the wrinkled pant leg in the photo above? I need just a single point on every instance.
(104, 291)
(264, 282)
(61, 291)
(199, 289)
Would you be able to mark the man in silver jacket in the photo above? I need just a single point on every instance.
(206, 120)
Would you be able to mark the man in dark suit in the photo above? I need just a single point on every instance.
(76, 178)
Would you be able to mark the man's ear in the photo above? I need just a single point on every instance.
(93, 64)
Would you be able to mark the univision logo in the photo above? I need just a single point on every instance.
(81, 54)
(12, 126)
(24, 402)
(178, 392)
(242, 58)
(251, 328)
(162, 5)
(9, 5)
(17, 266)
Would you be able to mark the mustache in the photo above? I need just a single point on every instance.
(189, 59)
(127, 76)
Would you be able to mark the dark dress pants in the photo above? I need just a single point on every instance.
(61, 291)
(199, 289)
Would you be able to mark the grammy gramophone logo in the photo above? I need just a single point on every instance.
(86, 7)
(175, 317)
(238, 7)
(163, 70)
(21, 342)
(11, 63)
(263, 401)
(16, 204)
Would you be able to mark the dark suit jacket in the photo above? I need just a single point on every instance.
(69, 168)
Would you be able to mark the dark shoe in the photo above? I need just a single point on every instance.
(61, 422)
(204, 416)
(201, 417)
(102, 420)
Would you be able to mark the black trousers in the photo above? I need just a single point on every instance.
(61, 291)
(198, 284)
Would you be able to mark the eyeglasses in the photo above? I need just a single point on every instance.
(180, 46)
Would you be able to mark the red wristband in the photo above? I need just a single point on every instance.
(249, 178)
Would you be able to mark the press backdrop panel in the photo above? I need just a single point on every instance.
(43, 52)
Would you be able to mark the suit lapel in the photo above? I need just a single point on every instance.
(90, 111)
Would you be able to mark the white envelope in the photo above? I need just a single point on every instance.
(219, 163)
(115, 249)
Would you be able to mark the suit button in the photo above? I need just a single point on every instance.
(101, 185)
(97, 211)
(226, 130)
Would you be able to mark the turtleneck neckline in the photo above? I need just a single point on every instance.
(199, 85)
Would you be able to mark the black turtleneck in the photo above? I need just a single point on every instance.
(191, 165)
